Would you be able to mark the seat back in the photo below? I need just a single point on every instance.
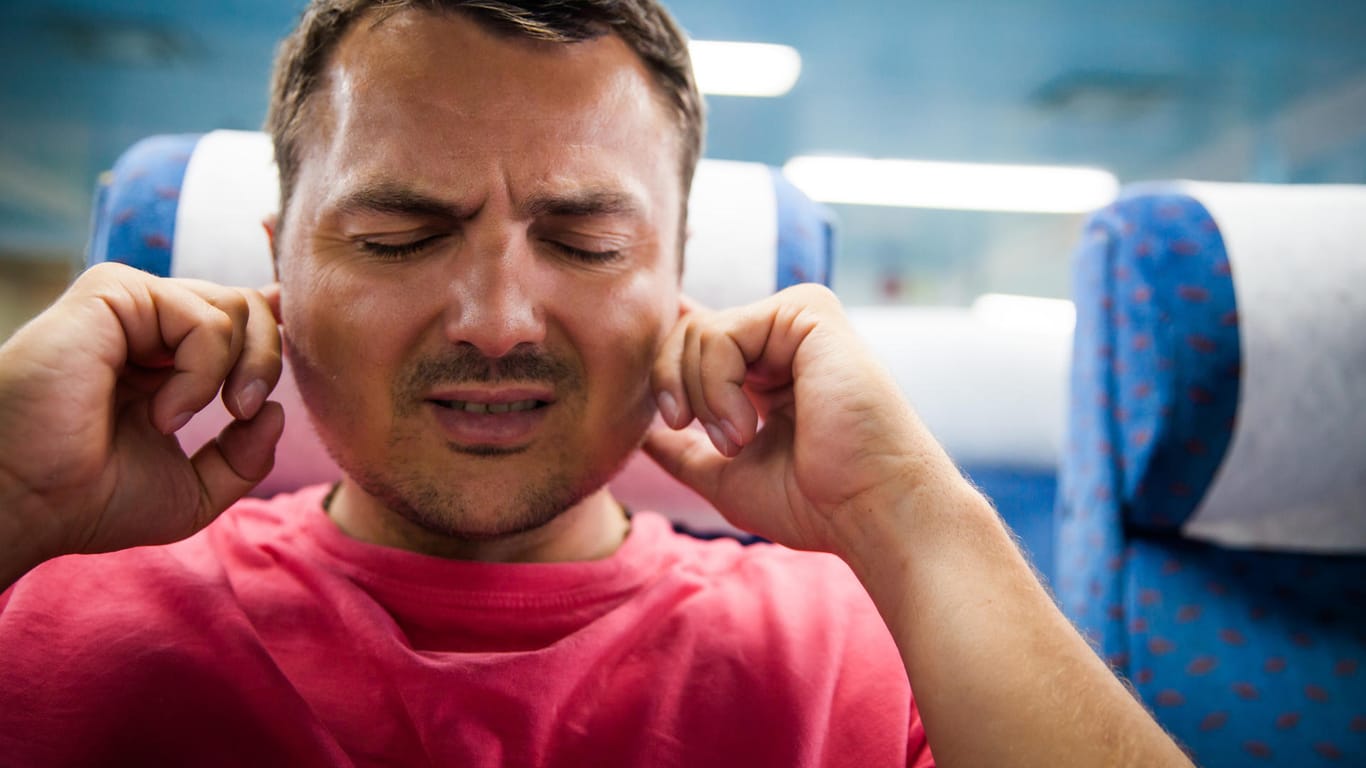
(1212, 502)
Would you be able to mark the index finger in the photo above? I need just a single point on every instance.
(256, 369)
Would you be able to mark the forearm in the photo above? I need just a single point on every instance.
(1000, 675)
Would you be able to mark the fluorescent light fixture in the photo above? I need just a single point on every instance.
(1030, 314)
(744, 69)
(958, 186)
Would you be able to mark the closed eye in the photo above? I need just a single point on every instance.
(396, 251)
(579, 254)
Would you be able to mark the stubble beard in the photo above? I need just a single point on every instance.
(461, 508)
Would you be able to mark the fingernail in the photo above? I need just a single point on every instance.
(250, 398)
(731, 432)
(718, 438)
(668, 407)
(179, 421)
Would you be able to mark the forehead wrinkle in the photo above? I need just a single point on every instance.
(361, 73)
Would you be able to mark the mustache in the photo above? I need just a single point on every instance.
(466, 364)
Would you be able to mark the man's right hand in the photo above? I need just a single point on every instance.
(91, 393)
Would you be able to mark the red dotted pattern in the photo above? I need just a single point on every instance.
(1232, 650)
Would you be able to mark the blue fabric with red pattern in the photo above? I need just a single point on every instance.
(1246, 657)
(135, 205)
(1250, 658)
(806, 235)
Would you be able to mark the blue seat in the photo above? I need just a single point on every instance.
(1212, 496)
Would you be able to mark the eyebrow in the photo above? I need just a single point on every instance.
(401, 201)
(584, 202)
(394, 199)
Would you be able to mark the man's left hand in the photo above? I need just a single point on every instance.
(808, 432)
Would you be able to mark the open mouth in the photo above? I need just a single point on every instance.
(516, 406)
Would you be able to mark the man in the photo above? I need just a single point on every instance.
(482, 214)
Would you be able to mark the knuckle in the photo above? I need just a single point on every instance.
(664, 372)
(217, 321)
(813, 295)
(106, 273)
(692, 344)
(257, 305)
(716, 330)
(104, 269)
(714, 355)
(270, 362)
(237, 306)
(225, 300)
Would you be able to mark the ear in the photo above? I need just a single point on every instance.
(683, 252)
(688, 304)
(272, 292)
(269, 224)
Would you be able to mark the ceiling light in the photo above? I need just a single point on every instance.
(744, 69)
(959, 186)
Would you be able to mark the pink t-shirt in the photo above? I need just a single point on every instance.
(272, 638)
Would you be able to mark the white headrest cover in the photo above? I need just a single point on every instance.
(994, 393)
(1294, 477)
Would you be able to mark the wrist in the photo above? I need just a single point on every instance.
(915, 521)
(24, 539)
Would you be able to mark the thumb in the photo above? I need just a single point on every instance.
(689, 456)
(240, 457)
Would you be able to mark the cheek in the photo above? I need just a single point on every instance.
(627, 330)
(352, 333)
(321, 301)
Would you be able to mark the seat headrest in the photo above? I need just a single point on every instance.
(990, 386)
(1231, 317)
(192, 206)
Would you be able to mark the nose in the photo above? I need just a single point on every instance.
(495, 300)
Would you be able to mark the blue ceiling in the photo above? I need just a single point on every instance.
(1266, 90)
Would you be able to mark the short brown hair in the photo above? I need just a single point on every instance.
(644, 25)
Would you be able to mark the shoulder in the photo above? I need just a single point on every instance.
(764, 595)
(136, 591)
(152, 631)
(792, 643)
(760, 571)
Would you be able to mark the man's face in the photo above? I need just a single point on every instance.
(477, 265)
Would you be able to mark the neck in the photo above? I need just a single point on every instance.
(590, 530)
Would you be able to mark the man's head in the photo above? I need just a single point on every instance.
(480, 252)
(644, 25)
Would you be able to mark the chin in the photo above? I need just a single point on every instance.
(484, 509)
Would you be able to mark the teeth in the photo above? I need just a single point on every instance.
(515, 407)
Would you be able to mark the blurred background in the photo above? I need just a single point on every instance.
(1239, 90)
